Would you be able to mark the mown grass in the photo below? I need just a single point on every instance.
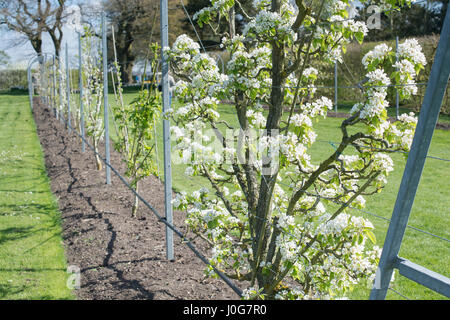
(429, 213)
(32, 260)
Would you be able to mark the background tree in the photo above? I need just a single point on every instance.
(33, 18)
(136, 25)
(133, 20)
(417, 19)
(54, 27)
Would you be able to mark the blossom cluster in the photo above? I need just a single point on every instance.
(269, 25)
(403, 72)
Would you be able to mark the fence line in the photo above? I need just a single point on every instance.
(367, 212)
(158, 216)
(332, 143)
(401, 295)
(183, 238)
(189, 243)
(361, 210)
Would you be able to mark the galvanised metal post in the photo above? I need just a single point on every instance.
(43, 76)
(41, 71)
(166, 128)
(335, 86)
(60, 90)
(105, 98)
(49, 87)
(30, 85)
(46, 81)
(54, 103)
(68, 88)
(428, 117)
(80, 75)
(397, 98)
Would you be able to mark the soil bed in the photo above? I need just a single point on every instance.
(120, 257)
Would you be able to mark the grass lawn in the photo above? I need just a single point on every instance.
(429, 213)
(32, 261)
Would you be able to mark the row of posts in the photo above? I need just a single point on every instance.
(166, 107)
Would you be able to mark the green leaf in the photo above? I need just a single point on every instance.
(359, 37)
(360, 238)
(212, 224)
(371, 236)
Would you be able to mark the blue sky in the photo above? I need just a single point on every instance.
(21, 54)
(20, 50)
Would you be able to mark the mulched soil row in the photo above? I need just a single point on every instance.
(120, 257)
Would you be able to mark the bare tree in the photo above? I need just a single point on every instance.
(137, 24)
(54, 28)
(33, 18)
(134, 22)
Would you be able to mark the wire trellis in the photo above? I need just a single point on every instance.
(183, 237)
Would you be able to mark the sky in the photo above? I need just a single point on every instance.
(21, 53)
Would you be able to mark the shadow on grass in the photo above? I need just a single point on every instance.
(49, 212)
(49, 220)
(7, 290)
(10, 291)
(15, 233)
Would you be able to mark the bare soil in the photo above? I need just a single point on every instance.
(120, 257)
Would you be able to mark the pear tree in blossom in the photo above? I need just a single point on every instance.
(273, 217)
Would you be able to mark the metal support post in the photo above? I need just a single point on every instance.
(397, 98)
(30, 86)
(54, 103)
(335, 86)
(60, 90)
(428, 117)
(105, 98)
(68, 88)
(166, 128)
(80, 75)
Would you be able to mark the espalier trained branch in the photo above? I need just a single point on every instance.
(93, 90)
(135, 126)
(270, 213)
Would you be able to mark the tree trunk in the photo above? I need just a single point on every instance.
(124, 49)
(98, 161)
(36, 43)
(262, 231)
(126, 63)
(136, 202)
(232, 22)
(127, 72)
(57, 45)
